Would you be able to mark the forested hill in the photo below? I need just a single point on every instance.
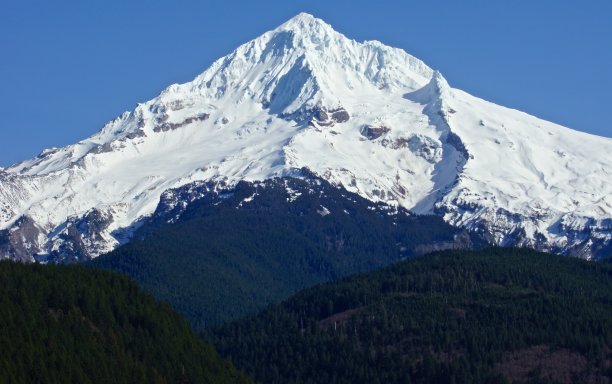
(490, 316)
(73, 324)
(232, 252)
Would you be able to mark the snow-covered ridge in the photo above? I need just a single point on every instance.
(368, 117)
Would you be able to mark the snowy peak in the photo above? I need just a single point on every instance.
(366, 117)
(304, 21)
(304, 63)
(308, 30)
(436, 89)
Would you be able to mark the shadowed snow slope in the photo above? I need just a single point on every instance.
(364, 116)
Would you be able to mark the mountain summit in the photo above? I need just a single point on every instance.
(367, 117)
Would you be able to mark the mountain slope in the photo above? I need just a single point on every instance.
(234, 251)
(365, 116)
(73, 324)
(492, 316)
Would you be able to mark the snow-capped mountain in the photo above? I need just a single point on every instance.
(367, 117)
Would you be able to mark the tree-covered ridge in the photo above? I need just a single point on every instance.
(233, 252)
(491, 316)
(73, 324)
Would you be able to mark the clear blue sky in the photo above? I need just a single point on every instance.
(67, 67)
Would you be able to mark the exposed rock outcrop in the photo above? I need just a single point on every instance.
(164, 126)
(372, 133)
(326, 118)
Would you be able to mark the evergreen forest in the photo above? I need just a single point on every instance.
(231, 254)
(72, 324)
(489, 316)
